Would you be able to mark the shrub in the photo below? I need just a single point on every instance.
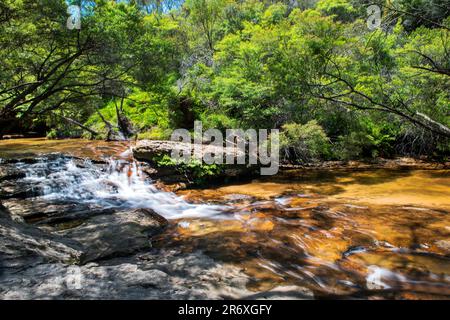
(374, 143)
(304, 143)
(52, 134)
(217, 121)
(155, 133)
(351, 146)
(145, 110)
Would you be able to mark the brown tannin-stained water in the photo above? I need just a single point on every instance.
(359, 234)
(94, 150)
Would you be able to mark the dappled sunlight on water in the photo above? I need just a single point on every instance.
(415, 187)
(373, 234)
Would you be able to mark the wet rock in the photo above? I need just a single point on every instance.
(236, 197)
(117, 234)
(76, 215)
(9, 172)
(444, 245)
(20, 190)
(58, 281)
(39, 265)
(38, 210)
(284, 293)
(378, 163)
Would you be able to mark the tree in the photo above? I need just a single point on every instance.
(205, 16)
(50, 69)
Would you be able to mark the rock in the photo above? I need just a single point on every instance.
(444, 245)
(22, 245)
(63, 219)
(57, 281)
(284, 293)
(378, 163)
(13, 136)
(147, 150)
(161, 274)
(9, 172)
(21, 190)
(117, 234)
(150, 151)
(101, 234)
(40, 210)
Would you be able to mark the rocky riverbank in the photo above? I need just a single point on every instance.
(44, 264)
(173, 177)
(72, 228)
(79, 249)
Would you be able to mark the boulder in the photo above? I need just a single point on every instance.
(117, 234)
(149, 150)
(42, 212)
(22, 245)
(107, 233)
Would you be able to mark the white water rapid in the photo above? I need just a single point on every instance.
(118, 184)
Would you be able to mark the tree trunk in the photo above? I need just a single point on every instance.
(75, 122)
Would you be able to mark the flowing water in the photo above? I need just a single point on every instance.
(118, 184)
(361, 234)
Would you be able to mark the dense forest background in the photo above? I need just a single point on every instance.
(312, 68)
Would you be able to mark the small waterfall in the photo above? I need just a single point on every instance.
(118, 184)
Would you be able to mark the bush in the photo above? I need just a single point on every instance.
(156, 133)
(67, 132)
(372, 143)
(52, 134)
(145, 110)
(351, 146)
(304, 143)
(217, 121)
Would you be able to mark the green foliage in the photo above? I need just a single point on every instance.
(147, 112)
(305, 143)
(155, 133)
(370, 141)
(52, 134)
(194, 170)
(218, 121)
(247, 63)
(341, 9)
